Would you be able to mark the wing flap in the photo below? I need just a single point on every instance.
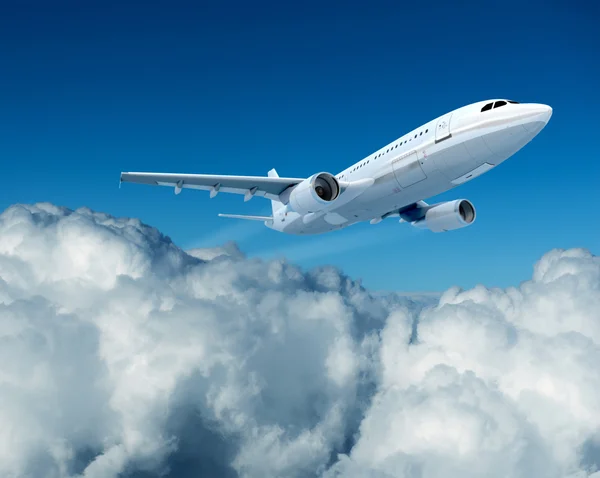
(209, 188)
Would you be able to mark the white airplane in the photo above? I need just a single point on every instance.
(393, 181)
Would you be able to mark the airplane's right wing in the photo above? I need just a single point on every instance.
(410, 213)
(413, 212)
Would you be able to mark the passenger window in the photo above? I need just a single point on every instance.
(421, 133)
(487, 107)
(426, 130)
(498, 104)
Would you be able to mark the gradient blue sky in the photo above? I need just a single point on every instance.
(89, 89)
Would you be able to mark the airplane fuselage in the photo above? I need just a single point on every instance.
(439, 155)
(392, 182)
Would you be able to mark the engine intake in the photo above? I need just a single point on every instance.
(447, 216)
(314, 193)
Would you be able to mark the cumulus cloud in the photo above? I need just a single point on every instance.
(123, 355)
(498, 382)
(229, 249)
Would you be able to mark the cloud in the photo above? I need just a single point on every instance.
(498, 382)
(229, 249)
(121, 352)
(123, 355)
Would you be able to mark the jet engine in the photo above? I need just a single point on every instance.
(314, 193)
(447, 216)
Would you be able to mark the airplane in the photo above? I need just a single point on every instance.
(391, 182)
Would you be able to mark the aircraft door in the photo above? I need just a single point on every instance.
(442, 129)
(407, 169)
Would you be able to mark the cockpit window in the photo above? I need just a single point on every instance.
(513, 102)
(498, 104)
(487, 107)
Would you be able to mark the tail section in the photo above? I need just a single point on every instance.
(248, 218)
(275, 205)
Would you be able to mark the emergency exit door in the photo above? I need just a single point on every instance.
(442, 130)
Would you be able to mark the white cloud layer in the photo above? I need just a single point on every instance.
(122, 355)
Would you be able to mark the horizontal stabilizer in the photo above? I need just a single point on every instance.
(249, 218)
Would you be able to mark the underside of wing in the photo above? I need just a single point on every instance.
(413, 212)
(409, 213)
(269, 187)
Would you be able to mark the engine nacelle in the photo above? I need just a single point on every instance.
(447, 216)
(314, 193)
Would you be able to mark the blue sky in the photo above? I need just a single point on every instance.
(89, 89)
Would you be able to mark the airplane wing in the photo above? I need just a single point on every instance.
(409, 213)
(269, 187)
(413, 212)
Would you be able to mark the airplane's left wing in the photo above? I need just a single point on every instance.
(249, 186)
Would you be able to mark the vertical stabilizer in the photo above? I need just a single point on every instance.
(275, 205)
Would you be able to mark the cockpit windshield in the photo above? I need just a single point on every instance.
(497, 104)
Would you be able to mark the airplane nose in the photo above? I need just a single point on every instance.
(523, 123)
(536, 116)
(548, 113)
(544, 113)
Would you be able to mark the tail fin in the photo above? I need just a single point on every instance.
(275, 205)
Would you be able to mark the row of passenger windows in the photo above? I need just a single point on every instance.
(497, 104)
(382, 153)
(487, 107)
